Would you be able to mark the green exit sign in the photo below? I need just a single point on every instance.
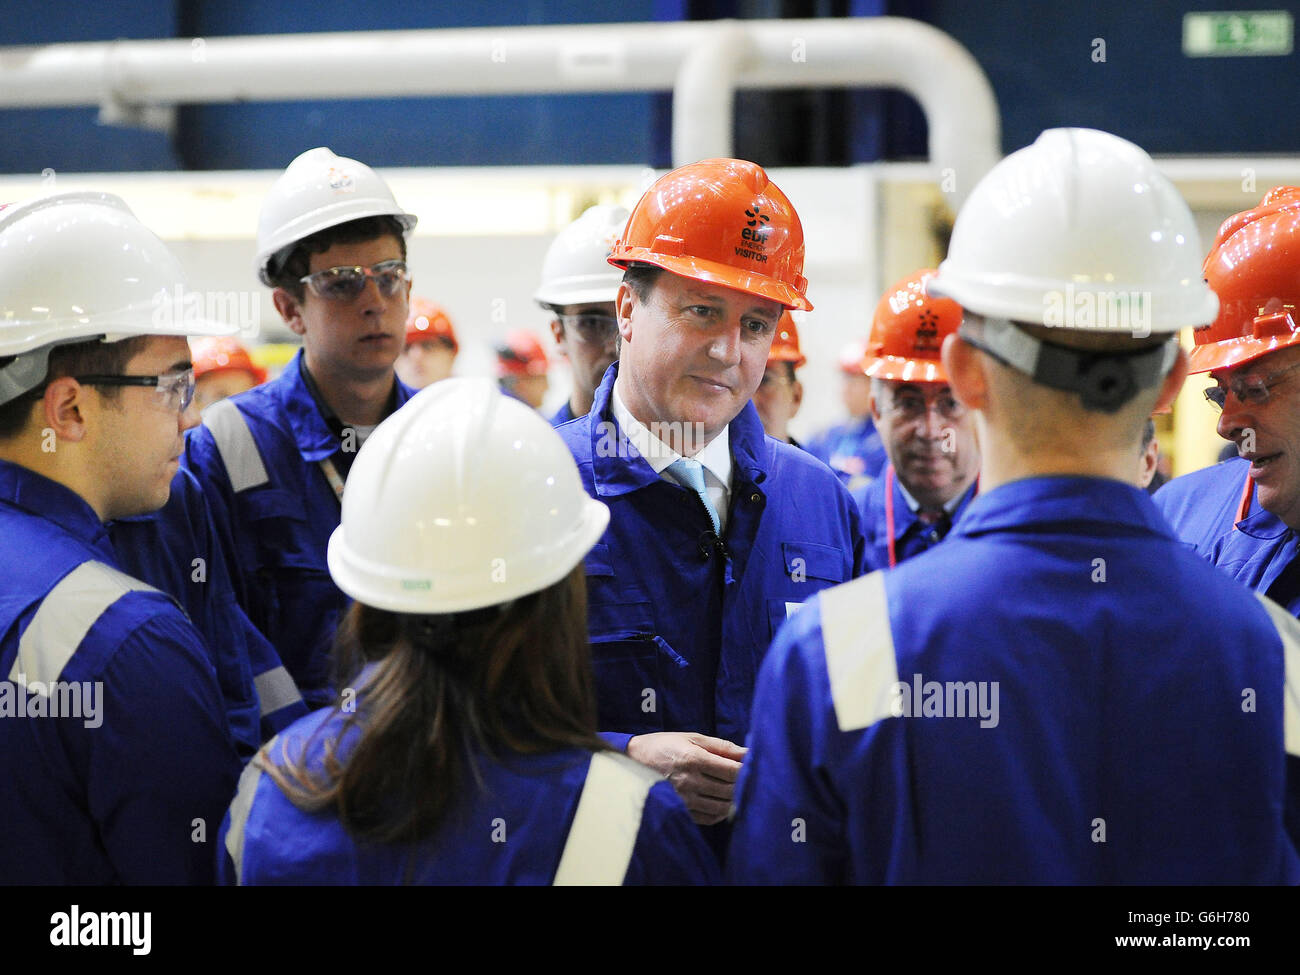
(1237, 33)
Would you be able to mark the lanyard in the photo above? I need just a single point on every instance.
(332, 475)
(1247, 496)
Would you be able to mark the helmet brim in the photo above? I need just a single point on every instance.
(713, 272)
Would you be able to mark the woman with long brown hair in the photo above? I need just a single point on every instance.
(462, 746)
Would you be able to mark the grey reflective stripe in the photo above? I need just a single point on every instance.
(275, 690)
(859, 647)
(236, 445)
(1288, 629)
(603, 833)
(241, 807)
(64, 618)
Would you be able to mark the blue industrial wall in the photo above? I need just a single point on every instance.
(1038, 55)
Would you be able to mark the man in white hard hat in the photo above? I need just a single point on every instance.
(578, 288)
(115, 751)
(273, 461)
(1079, 699)
(716, 531)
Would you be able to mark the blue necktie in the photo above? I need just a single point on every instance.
(690, 474)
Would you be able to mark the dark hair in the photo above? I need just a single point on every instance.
(75, 359)
(1148, 433)
(641, 279)
(298, 264)
(511, 678)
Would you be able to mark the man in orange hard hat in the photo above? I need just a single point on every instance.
(779, 392)
(930, 437)
(222, 368)
(431, 345)
(716, 531)
(852, 449)
(522, 366)
(1243, 514)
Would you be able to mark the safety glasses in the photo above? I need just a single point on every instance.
(347, 283)
(175, 390)
(591, 327)
(1250, 391)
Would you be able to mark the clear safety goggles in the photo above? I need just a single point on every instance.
(1251, 391)
(175, 390)
(592, 327)
(347, 283)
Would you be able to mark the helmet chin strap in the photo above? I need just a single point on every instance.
(1106, 381)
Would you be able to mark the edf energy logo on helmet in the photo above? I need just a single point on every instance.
(753, 236)
(926, 344)
(340, 180)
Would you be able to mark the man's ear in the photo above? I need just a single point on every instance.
(796, 397)
(557, 333)
(872, 405)
(1173, 382)
(624, 302)
(64, 409)
(290, 310)
(965, 369)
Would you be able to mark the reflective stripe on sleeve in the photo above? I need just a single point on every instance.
(240, 809)
(859, 648)
(236, 445)
(603, 833)
(1288, 629)
(275, 690)
(64, 618)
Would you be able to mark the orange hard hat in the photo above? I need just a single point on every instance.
(1254, 268)
(720, 221)
(223, 354)
(520, 354)
(429, 321)
(850, 358)
(907, 332)
(785, 346)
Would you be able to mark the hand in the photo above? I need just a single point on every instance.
(703, 770)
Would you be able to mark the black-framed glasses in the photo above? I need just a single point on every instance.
(1253, 390)
(174, 389)
(910, 407)
(593, 327)
(346, 283)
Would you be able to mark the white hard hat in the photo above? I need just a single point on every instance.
(1077, 227)
(317, 191)
(462, 499)
(80, 266)
(577, 269)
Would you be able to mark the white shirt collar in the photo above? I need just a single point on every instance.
(715, 457)
(949, 506)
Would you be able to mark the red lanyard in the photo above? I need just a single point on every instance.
(889, 511)
(1247, 496)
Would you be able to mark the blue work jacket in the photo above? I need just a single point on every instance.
(1059, 693)
(115, 754)
(562, 416)
(853, 450)
(679, 622)
(523, 823)
(1258, 551)
(176, 550)
(258, 459)
(911, 535)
